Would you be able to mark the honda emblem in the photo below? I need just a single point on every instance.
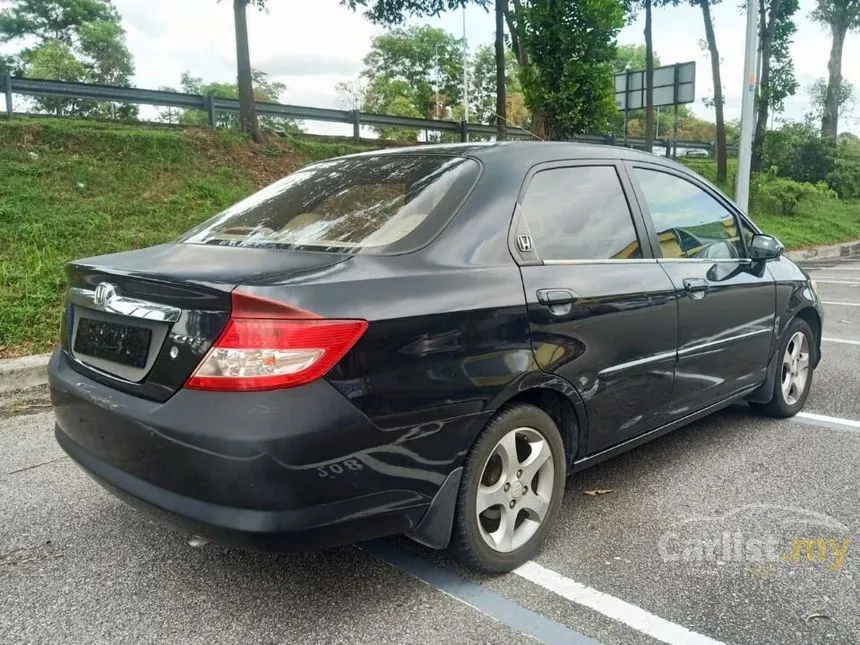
(524, 243)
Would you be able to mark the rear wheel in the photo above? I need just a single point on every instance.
(794, 371)
(511, 491)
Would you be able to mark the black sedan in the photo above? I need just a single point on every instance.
(424, 341)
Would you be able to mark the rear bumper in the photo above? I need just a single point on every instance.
(287, 470)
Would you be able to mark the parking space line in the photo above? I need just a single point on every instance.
(833, 268)
(829, 281)
(838, 423)
(840, 304)
(480, 598)
(615, 608)
(841, 340)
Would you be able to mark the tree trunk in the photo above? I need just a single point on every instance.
(247, 105)
(649, 80)
(501, 85)
(722, 173)
(830, 119)
(767, 25)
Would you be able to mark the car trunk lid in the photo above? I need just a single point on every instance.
(141, 321)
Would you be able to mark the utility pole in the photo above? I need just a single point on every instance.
(742, 182)
(465, 75)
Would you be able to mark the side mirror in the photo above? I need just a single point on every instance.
(765, 247)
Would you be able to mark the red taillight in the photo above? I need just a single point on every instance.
(266, 346)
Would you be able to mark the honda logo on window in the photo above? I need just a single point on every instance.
(524, 243)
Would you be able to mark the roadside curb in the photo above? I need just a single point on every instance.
(24, 372)
(832, 252)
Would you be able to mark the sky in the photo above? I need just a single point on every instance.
(310, 45)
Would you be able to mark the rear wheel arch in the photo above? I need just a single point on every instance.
(569, 418)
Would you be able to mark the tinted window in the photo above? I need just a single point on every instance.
(689, 222)
(373, 204)
(580, 214)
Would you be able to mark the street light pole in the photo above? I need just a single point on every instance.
(465, 75)
(742, 181)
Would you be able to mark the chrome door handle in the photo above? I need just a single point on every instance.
(552, 297)
(696, 288)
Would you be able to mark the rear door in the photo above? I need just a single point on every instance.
(726, 302)
(602, 312)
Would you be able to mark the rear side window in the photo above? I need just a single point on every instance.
(580, 213)
(370, 204)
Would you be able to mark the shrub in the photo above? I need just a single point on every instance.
(783, 196)
(798, 152)
(845, 176)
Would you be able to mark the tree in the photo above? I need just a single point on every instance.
(57, 31)
(422, 63)
(248, 121)
(841, 16)
(631, 57)
(53, 20)
(54, 60)
(350, 94)
(264, 91)
(501, 7)
(722, 169)
(776, 80)
(565, 49)
(395, 12)
(818, 99)
(483, 91)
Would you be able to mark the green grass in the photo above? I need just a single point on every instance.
(827, 221)
(71, 189)
(817, 222)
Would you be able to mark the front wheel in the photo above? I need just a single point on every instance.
(511, 491)
(794, 371)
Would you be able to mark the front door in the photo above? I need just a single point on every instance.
(602, 312)
(726, 302)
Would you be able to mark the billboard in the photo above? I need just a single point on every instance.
(673, 85)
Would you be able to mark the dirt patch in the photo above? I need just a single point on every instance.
(30, 401)
(262, 163)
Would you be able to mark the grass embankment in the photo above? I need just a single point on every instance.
(71, 189)
(817, 221)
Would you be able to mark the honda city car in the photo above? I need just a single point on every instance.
(424, 341)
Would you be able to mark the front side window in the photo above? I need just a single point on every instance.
(368, 204)
(580, 213)
(690, 223)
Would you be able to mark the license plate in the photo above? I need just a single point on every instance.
(113, 342)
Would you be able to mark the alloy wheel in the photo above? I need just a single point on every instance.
(795, 368)
(515, 490)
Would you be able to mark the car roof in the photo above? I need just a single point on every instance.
(529, 152)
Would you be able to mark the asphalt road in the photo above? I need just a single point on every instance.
(700, 541)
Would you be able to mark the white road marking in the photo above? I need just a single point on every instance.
(848, 423)
(615, 608)
(840, 304)
(828, 281)
(841, 340)
(857, 268)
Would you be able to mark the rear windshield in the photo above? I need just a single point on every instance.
(370, 204)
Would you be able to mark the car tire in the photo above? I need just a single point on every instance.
(796, 356)
(516, 470)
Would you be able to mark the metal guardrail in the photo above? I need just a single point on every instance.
(212, 105)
